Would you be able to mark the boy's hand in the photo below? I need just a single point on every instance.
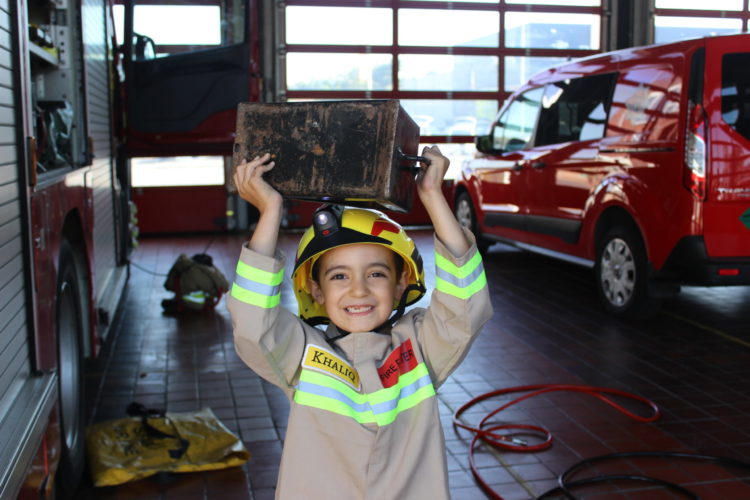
(430, 177)
(248, 177)
(430, 190)
(253, 188)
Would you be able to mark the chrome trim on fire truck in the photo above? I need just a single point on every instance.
(25, 422)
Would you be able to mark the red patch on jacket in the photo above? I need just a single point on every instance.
(400, 361)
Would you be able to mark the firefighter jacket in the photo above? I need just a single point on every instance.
(364, 420)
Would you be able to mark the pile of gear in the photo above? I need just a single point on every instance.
(197, 284)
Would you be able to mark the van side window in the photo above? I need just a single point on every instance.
(575, 110)
(735, 92)
(516, 124)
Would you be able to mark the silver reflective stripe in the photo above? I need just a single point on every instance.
(410, 389)
(256, 287)
(376, 409)
(460, 282)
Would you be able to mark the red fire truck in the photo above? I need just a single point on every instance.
(67, 128)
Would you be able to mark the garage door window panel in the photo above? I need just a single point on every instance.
(442, 32)
(451, 116)
(671, 29)
(566, 3)
(339, 26)
(426, 72)
(543, 30)
(518, 69)
(331, 71)
(699, 4)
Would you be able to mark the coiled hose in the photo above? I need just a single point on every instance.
(488, 433)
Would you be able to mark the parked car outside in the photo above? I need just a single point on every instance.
(635, 163)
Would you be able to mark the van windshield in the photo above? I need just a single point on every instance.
(514, 127)
(735, 92)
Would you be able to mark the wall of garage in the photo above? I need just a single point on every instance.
(452, 64)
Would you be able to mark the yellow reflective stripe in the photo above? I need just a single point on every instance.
(452, 279)
(381, 407)
(461, 293)
(254, 298)
(332, 405)
(390, 393)
(259, 275)
(195, 297)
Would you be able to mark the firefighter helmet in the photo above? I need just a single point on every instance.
(335, 226)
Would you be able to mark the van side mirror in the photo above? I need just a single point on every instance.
(484, 144)
(143, 47)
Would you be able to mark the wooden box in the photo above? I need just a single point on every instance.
(345, 152)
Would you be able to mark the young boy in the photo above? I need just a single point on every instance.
(364, 420)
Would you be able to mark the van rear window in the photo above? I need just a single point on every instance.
(735, 92)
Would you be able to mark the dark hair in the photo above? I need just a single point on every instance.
(397, 259)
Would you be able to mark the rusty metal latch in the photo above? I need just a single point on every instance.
(414, 158)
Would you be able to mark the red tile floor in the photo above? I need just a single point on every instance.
(693, 360)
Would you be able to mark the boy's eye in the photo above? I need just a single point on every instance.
(337, 276)
(378, 274)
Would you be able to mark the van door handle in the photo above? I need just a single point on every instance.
(538, 164)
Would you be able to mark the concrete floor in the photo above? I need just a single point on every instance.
(692, 360)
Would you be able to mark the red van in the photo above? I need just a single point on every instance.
(634, 162)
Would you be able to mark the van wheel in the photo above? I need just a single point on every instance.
(466, 217)
(621, 275)
(69, 375)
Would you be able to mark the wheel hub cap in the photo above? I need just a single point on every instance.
(618, 272)
(463, 214)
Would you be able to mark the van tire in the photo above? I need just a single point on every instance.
(70, 375)
(465, 214)
(621, 272)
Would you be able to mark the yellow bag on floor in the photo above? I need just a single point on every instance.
(132, 448)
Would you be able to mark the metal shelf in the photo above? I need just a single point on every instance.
(38, 52)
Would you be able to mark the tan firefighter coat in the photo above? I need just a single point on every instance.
(364, 420)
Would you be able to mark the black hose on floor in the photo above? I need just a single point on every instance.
(565, 484)
(512, 441)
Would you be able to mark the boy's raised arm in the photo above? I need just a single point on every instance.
(429, 189)
(248, 177)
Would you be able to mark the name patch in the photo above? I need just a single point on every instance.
(402, 360)
(322, 360)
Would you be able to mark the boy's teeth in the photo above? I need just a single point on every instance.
(358, 309)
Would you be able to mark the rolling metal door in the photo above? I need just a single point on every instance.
(25, 400)
(14, 354)
(108, 278)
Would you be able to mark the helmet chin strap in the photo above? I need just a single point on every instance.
(401, 306)
(386, 326)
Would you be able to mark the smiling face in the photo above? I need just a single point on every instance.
(358, 285)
